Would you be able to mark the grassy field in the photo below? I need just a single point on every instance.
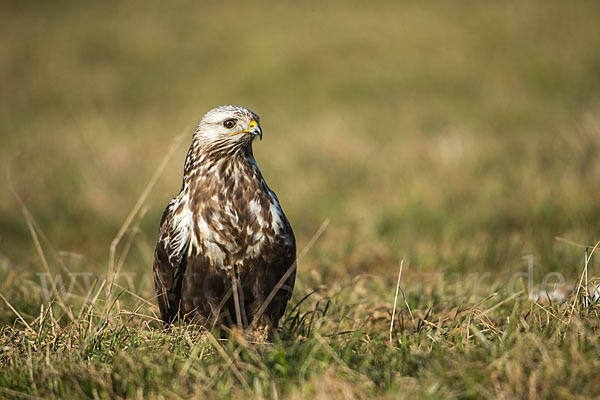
(461, 138)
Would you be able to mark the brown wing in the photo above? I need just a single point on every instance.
(277, 263)
(288, 265)
(168, 268)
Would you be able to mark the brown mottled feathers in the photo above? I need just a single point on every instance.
(224, 226)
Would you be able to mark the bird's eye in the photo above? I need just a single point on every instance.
(230, 123)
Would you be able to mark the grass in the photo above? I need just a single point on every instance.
(456, 137)
(332, 344)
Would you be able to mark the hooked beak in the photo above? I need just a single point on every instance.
(253, 129)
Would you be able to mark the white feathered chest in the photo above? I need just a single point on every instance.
(227, 214)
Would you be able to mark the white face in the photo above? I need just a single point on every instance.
(229, 124)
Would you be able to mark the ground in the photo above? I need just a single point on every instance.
(461, 139)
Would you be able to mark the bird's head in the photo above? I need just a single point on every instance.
(228, 128)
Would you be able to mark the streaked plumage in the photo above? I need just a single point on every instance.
(224, 226)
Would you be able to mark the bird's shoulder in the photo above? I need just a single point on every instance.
(174, 231)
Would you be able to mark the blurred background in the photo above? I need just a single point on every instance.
(458, 136)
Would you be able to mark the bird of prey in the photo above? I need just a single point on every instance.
(226, 253)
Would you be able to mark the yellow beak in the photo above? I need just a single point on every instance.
(253, 128)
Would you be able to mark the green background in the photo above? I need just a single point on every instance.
(456, 136)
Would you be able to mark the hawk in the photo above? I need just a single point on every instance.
(226, 252)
